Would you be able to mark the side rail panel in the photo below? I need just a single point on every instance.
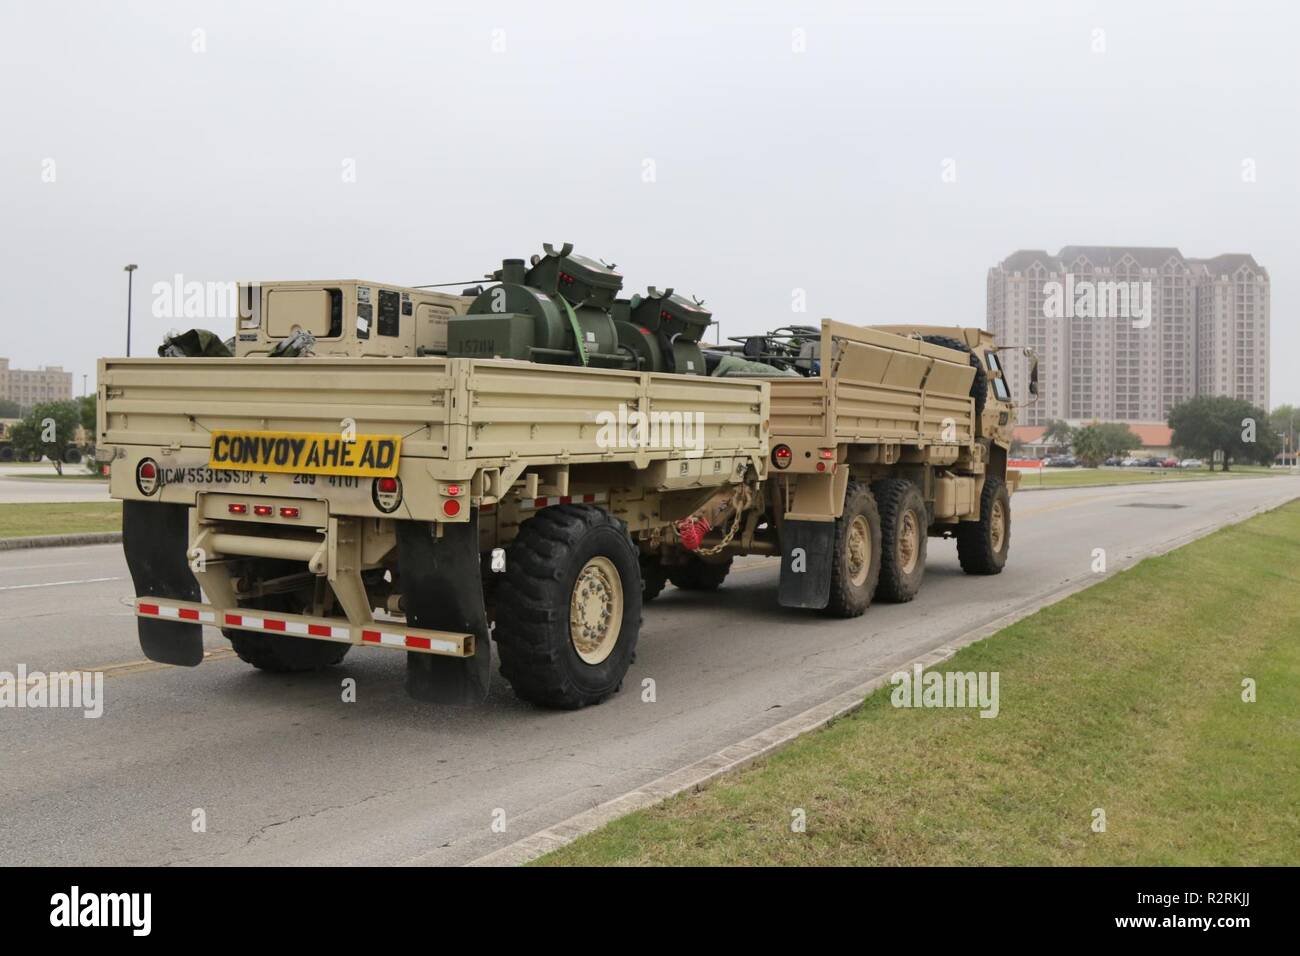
(520, 409)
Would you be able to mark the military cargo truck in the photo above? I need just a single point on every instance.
(432, 502)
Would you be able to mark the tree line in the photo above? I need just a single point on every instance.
(1211, 427)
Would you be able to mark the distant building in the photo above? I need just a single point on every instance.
(1153, 439)
(1191, 327)
(30, 387)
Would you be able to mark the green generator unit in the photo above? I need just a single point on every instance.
(563, 309)
(663, 330)
(556, 310)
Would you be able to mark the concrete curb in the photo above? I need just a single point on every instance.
(60, 540)
(703, 773)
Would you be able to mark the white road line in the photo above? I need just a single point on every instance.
(46, 567)
(55, 584)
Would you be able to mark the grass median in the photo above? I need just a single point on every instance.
(1078, 477)
(1125, 698)
(73, 517)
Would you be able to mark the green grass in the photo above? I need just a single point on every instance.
(1078, 477)
(74, 517)
(1145, 721)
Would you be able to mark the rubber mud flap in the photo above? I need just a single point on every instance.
(806, 551)
(155, 538)
(443, 591)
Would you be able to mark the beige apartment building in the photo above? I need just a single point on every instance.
(1125, 333)
(29, 387)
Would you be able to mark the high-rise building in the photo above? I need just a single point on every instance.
(30, 387)
(1125, 333)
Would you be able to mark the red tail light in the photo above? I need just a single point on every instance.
(386, 486)
(238, 509)
(147, 478)
(290, 513)
(451, 508)
(263, 511)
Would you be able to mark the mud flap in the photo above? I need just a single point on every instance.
(442, 591)
(155, 538)
(807, 549)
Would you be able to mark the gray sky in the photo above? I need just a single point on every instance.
(773, 169)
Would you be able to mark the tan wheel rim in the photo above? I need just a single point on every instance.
(909, 542)
(596, 610)
(858, 547)
(997, 526)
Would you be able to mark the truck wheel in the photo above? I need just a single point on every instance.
(653, 577)
(699, 575)
(904, 523)
(982, 545)
(569, 608)
(6, 453)
(278, 654)
(855, 561)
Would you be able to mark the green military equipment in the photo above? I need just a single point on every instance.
(677, 323)
(556, 312)
(563, 309)
(196, 343)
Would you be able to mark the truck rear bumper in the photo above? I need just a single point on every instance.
(393, 634)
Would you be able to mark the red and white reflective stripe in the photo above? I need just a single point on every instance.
(532, 504)
(393, 639)
(250, 623)
(176, 613)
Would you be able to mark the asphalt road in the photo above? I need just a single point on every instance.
(285, 772)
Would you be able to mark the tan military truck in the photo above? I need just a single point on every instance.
(427, 502)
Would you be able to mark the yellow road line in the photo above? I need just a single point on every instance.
(128, 668)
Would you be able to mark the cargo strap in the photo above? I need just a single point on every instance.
(577, 329)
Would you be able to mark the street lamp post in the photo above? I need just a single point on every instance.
(130, 275)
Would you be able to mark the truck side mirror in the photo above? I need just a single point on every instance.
(1033, 376)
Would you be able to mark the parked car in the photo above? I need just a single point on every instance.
(1062, 461)
(1191, 463)
(1113, 462)
(1130, 463)
(1169, 463)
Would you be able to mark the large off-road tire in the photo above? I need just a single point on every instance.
(6, 453)
(569, 608)
(904, 526)
(654, 576)
(979, 386)
(982, 545)
(855, 558)
(696, 574)
(281, 653)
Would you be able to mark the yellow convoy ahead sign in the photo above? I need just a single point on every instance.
(300, 453)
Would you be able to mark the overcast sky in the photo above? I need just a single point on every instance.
(693, 144)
